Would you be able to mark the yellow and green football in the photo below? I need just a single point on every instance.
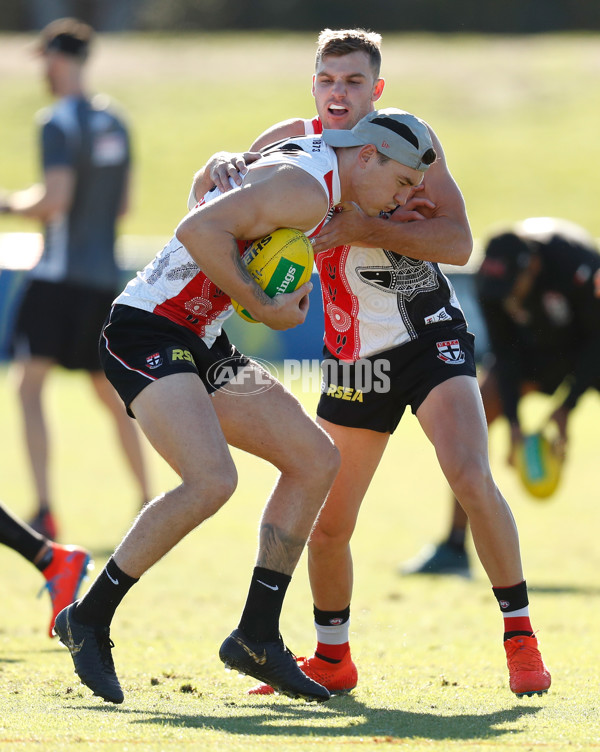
(279, 262)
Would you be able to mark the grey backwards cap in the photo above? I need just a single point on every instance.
(395, 133)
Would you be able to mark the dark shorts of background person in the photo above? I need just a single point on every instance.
(137, 347)
(61, 321)
(374, 392)
(543, 368)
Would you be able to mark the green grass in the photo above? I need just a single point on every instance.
(518, 119)
(517, 115)
(432, 672)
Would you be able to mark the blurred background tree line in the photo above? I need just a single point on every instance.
(506, 17)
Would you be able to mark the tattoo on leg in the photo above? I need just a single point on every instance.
(277, 550)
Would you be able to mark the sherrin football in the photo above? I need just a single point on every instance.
(279, 262)
(539, 465)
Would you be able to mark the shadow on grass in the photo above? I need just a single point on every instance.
(563, 590)
(343, 716)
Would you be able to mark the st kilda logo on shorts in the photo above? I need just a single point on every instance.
(154, 360)
(449, 351)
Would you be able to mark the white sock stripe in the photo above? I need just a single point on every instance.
(518, 612)
(333, 635)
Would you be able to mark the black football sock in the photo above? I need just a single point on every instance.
(330, 651)
(260, 618)
(456, 539)
(22, 539)
(44, 559)
(514, 604)
(331, 618)
(99, 604)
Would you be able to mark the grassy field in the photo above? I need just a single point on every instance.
(517, 116)
(518, 119)
(432, 672)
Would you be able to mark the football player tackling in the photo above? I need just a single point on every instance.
(386, 302)
(164, 350)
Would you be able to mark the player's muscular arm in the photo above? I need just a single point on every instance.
(217, 172)
(285, 129)
(225, 165)
(271, 197)
(443, 235)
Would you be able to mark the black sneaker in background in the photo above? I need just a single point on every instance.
(441, 559)
(271, 663)
(90, 648)
(44, 524)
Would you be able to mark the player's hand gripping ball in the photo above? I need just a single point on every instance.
(539, 465)
(280, 262)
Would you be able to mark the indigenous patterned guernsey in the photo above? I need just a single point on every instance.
(374, 300)
(174, 286)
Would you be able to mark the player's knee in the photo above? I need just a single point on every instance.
(222, 489)
(313, 461)
(209, 491)
(325, 538)
(475, 487)
(324, 459)
(330, 459)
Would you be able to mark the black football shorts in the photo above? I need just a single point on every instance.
(373, 392)
(137, 347)
(61, 321)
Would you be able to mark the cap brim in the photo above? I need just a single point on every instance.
(340, 138)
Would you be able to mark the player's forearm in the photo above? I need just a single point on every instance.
(45, 201)
(201, 185)
(586, 373)
(32, 203)
(438, 239)
(216, 253)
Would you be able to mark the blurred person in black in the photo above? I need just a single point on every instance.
(85, 156)
(537, 291)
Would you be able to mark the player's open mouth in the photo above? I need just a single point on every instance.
(336, 109)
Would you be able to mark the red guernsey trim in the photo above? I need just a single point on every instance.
(317, 125)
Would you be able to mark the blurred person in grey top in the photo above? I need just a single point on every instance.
(85, 157)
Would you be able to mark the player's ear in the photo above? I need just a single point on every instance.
(312, 88)
(366, 154)
(378, 89)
